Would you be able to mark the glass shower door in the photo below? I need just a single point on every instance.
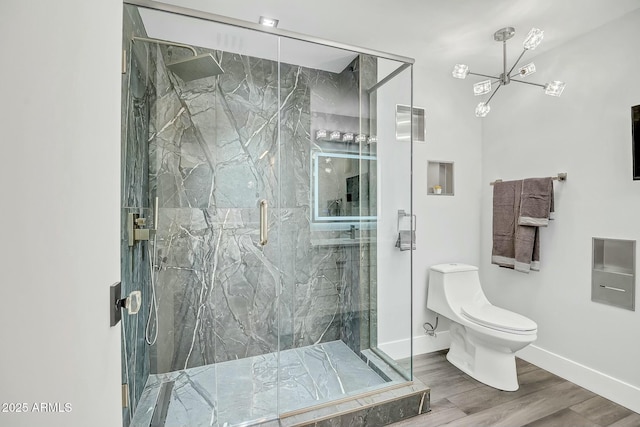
(212, 154)
(218, 232)
(330, 222)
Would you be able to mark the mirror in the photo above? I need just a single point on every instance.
(344, 187)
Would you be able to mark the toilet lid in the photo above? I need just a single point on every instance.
(498, 318)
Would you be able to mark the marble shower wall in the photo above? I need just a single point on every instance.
(349, 107)
(137, 95)
(213, 155)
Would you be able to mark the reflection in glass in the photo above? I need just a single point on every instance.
(345, 187)
(404, 125)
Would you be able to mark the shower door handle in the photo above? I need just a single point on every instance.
(264, 224)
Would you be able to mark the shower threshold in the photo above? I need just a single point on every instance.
(245, 391)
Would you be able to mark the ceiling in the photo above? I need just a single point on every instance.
(227, 38)
(435, 32)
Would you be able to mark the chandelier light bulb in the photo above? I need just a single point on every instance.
(525, 70)
(460, 71)
(482, 109)
(533, 39)
(482, 87)
(554, 88)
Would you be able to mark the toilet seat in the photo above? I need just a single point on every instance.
(500, 319)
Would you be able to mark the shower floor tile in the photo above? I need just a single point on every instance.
(243, 390)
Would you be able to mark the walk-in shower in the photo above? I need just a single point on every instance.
(263, 172)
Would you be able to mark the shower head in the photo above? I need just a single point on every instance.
(190, 68)
(196, 67)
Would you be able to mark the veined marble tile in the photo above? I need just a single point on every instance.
(137, 95)
(238, 391)
(210, 150)
(213, 144)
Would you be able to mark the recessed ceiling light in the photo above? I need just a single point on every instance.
(268, 22)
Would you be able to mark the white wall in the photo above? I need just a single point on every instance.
(448, 227)
(60, 121)
(586, 133)
(394, 181)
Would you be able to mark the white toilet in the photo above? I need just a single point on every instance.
(484, 338)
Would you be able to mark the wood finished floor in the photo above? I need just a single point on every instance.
(543, 400)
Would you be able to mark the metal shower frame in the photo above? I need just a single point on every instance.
(405, 62)
(207, 16)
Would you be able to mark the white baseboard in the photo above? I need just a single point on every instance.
(421, 344)
(606, 386)
(618, 391)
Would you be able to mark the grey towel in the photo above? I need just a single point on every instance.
(536, 202)
(527, 248)
(514, 246)
(406, 240)
(506, 199)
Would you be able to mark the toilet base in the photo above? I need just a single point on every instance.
(488, 359)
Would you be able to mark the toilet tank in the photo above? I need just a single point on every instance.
(451, 286)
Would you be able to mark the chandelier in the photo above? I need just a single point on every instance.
(460, 71)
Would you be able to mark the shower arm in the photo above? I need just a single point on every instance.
(166, 43)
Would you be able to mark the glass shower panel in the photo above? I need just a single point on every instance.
(391, 288)
(211, 146)
(329, 222)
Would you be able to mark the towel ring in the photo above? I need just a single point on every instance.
(414, 219)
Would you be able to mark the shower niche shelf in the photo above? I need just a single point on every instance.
(439, 178)
(613, 276)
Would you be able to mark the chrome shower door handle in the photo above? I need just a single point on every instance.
(156, 213)
(264, 225)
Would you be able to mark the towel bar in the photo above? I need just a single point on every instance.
(562, 176)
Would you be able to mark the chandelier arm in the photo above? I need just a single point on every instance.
(528, 83)
(494, 92)
(517, 60)
(484, 75)
(505, 76)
